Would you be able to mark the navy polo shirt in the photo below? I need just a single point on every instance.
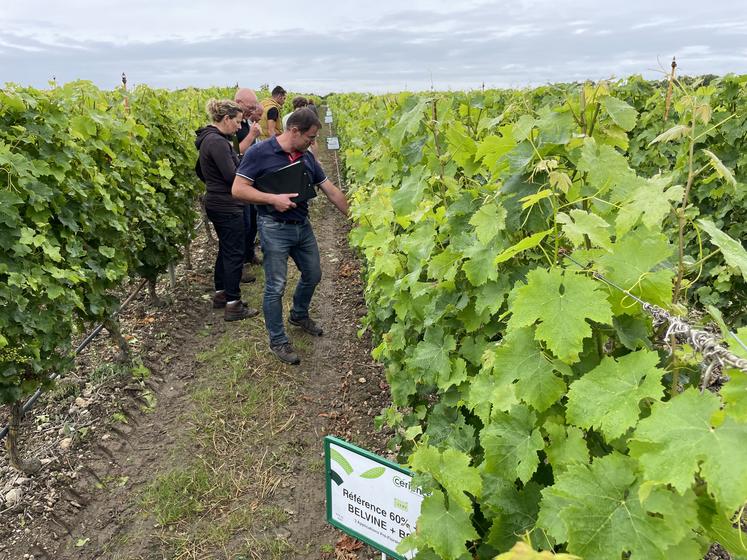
(267, 157)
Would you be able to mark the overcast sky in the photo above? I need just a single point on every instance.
(385, 45)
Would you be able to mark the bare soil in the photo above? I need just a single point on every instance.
(106, 436)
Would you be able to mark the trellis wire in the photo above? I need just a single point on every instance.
(703, 342)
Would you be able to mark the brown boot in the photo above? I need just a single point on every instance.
(238, 310)
(219, 300)
(247, 276)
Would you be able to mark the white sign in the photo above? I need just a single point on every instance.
(328, 119)
(333, 143)
(369, 497)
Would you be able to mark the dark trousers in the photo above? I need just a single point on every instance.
(250, 226)
(230, 261)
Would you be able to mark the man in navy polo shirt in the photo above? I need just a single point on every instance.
(284, 228)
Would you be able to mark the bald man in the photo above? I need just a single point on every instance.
(249, 131)
(247, 135)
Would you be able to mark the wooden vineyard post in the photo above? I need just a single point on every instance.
(668, 102)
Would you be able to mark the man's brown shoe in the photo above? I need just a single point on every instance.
(219, 300)
(238, 310)
(254, 260)
(285, 353)
(308, 324)
(247, 276)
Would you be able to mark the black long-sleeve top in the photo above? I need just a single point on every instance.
(218, 163)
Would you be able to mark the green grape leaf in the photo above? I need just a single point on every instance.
(511, 442)
(555, 126)
(607, 397)
(513, 511)
(447, 428)
(431, 356)
(444, 265)
(604, 165)
(719, 167)
(649, 202)
(734, 254)
(620, 112)
(525, 244)
(678, 440)
(492, 295)
(480, 265)
(519, 358)
(522, 128)
(633, 331)
(638, 263)
(596, 509)
(562, 303)
(488, 221)
(581, 223)
(408, 196)
(737, 342)
(487, 393)
(82, 126)
(452, 470)
(462, 147)
(493, 149)
(674, 133)
(567, 446)
(734, 394)
(445, 529)
(719, 526)
(409, 121)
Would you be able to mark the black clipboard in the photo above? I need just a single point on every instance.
(293, 178)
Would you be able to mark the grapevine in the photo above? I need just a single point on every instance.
(530, 398)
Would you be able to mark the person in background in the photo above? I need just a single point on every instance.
(217, 163)
(313, 106)
(247, 135)
(297, 103)
(271, 123)
(250, 130)
(284, 228)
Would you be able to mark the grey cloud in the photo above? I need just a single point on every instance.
(515, 46)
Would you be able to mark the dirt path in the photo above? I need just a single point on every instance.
(214, 451)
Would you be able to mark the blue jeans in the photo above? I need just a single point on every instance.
(280, 241)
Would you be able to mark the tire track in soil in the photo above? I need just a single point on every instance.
(338, 390)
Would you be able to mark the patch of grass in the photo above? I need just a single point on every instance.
(316, 466)
(120, 417)
(210, 505)
(109, 482)
(105, 372)
(139, 371)
(64, 389)
(275, 548)
(274, 515)
(183, 493)
(149, 401)
(301, 342)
